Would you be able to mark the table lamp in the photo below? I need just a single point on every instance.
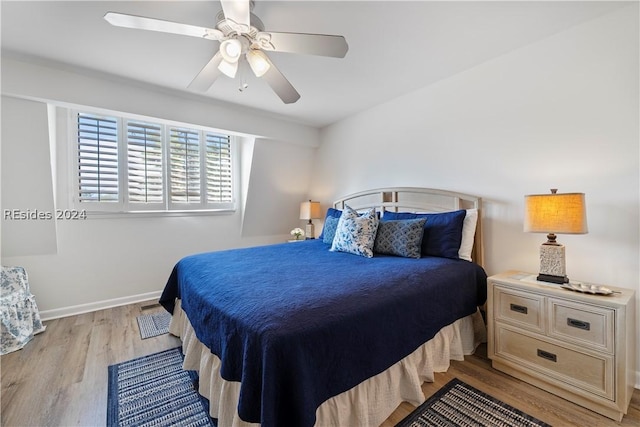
(554, 213)
(310, 211)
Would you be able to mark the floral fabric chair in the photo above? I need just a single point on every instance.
(20, 317)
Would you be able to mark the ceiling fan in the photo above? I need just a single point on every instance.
(241, 34)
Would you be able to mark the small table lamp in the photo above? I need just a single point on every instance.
(554, 213)
(310, 211)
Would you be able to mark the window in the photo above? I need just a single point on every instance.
(130, 165)
(145, 175)
(97, 159)
(185, 166)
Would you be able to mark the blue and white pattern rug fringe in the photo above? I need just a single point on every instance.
(458, 404)
(155, 391)
(152, 325)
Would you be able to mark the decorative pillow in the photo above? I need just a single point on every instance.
(334, 213)
(329, 229)
(331, 213)
(442, 231)
(468, 234)
(400, 237)
(356, 233)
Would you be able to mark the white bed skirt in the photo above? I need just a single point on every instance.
(367, 404)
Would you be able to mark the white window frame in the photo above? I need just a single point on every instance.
(167, 206)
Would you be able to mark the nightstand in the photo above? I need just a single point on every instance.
(576, 345)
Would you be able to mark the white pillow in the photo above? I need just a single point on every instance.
(468, 234)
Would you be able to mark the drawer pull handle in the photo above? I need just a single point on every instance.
(546, 355)
(575, 323)
(518, 308)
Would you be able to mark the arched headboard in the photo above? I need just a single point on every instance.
(418, 200)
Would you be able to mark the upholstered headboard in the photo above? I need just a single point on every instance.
(417, 199)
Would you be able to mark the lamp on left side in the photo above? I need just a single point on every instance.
(309, 211)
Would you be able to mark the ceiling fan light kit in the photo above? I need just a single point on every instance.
(229, 69)
(231, 49)
(240, 32)
(258, 62)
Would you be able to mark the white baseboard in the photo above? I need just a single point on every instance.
(95, 306)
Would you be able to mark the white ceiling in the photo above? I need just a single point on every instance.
(395, 47)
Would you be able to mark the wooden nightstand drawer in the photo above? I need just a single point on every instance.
(519, 308)
(589, 372)
(582, 324)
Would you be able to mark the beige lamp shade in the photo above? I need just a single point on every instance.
(555, 213)
(310, 210)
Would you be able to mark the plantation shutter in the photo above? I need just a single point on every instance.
(144, 162)
(218, 168)
(97, 158)
(129, 164)
(185, 165)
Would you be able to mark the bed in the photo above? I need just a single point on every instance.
(311, 333)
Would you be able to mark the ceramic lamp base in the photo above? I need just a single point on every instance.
(552, 264)
(309, 231)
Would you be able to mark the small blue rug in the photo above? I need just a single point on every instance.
(155, 391)
(152, 325)
(458, 404)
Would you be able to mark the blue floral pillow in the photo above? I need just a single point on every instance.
(356, 233)
(400, 237)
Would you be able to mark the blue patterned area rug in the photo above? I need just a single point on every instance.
(459, 404)
(154, 390)
(152, 325)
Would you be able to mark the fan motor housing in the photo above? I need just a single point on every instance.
(224, 26)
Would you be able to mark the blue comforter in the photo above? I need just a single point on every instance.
(298, 324)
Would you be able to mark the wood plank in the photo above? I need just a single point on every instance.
(60, 377)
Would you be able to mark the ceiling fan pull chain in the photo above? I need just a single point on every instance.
(243, 77)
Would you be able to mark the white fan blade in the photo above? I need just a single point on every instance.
(160, 25)
(209, 73)
(280, 85)
(311, 44)
(238, 12)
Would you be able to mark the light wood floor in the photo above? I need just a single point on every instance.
(60, 377)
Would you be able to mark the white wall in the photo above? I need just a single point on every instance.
(283, 169)
(97, 262)
(559, 113)
(27, 186)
